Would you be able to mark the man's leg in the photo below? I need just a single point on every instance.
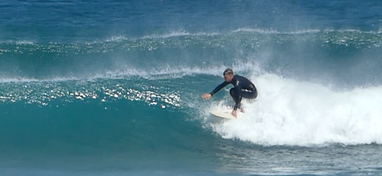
(249, 94)
(233, 95)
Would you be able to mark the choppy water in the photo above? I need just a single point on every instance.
(113, 88)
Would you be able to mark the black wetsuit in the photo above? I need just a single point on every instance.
(242, 88)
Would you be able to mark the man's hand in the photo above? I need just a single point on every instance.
(206, 96)
(234, 113)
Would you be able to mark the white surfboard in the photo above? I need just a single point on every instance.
(222, 114)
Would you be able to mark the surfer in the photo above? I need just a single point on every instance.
(243, 88)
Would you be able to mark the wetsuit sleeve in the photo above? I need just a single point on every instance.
(219, 87)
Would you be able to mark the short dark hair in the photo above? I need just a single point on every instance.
(228, 71)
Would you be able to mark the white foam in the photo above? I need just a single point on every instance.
(272, 31)
(306, 31)
(116, 38)
(20, 42)
(352, 31)
(12, 80)
(288, 112)
(180, 34)
(170, 71)
(165, 72)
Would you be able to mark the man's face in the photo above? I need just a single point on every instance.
(228, 77)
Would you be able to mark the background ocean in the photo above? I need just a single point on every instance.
(114, 87)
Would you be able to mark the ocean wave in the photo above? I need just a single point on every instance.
(294, 113)
(200, 35)
(184, 53)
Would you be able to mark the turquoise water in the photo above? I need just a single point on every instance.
(113, 88)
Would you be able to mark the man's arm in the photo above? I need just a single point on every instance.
(219, 87)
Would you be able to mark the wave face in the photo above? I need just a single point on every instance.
(344, 58)
(82, 97)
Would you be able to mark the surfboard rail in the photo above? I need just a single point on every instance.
(222, 114)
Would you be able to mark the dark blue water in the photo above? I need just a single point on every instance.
(113, 87)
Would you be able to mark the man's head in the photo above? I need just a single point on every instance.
(228, 75)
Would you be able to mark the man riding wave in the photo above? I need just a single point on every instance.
(243, 88)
